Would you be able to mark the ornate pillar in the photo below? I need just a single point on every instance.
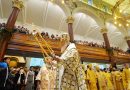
(127, 38)
(70, 21)
(106, 40)
(108, 47)
(6, 34)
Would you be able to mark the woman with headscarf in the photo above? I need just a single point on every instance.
(70, 75)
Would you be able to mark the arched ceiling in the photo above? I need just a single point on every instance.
(124, 6)
(51, 17)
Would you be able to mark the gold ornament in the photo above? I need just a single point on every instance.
(103, 30)
(127, 38)
(48, 59)
(18, 4)
(65, 37)
(70, 19)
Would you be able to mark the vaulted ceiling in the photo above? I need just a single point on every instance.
(111, 2)
(51, 17)
(124, 6)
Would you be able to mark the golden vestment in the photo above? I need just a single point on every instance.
(91, 79)
(113, 74)
(126, 77)
(119, 83)
(108, 80)
(102, 84)
(52, 79)
(71, 75)
(46, 78)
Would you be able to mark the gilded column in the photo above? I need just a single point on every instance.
(6, 34)
(70, 21)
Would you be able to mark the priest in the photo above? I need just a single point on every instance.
(108, 80)
(46, 76)
(91, 78)
(102, 84)
(126, 76)
(71, 75)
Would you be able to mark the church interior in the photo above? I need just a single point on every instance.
(31, 30)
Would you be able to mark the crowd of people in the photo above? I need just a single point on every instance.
(64, 72)
(23, 30)
(92, 44)
(2, 25)
(17, 78)
(22, 78)
(52, 36)
(108, 79)
(19, 29)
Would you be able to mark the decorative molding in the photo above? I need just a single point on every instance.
(100, 5)
(70, 19)
(127, 38)
(71, 4)
(18, 4)
(103, 30)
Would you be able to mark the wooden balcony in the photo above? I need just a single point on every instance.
(25, 45)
